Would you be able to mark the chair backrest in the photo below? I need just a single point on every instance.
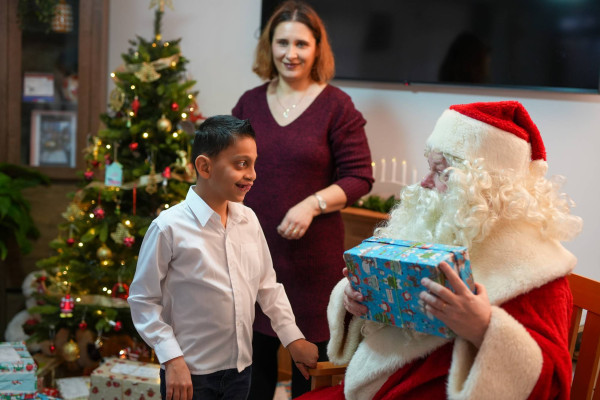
(586, 296)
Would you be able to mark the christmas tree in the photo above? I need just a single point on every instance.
(137, 166)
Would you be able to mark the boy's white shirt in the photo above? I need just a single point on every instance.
(196, 284)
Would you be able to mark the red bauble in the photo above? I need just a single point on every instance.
(120, 290)
(88, 175)
(99, 213)
(70, 241)
(82, 325)
(95, 163)
(118, 326)
(129, 241)
(174, 106)
(167, 172)
(133, 146)
(52, 348)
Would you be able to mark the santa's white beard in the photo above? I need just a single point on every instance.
(430, 216)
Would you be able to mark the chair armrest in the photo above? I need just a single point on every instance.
(325, 374)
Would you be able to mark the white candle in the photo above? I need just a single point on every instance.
(404, 172)
(394, 169)
(374, 170)
(383, 170)
(414, 175)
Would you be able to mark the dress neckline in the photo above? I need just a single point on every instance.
(299, 116)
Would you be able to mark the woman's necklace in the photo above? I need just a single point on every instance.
(287, 110)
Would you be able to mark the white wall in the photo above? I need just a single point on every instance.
(219, 36)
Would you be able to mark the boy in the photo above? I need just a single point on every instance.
(201, 268)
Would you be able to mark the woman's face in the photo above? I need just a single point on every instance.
(294, 50)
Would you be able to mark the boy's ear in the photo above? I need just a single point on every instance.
(203, 166)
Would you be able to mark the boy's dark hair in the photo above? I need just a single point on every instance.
(217, 133)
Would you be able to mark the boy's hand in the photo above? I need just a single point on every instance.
(305, 354)
(179, 380)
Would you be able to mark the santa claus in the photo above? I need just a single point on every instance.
(485, 190)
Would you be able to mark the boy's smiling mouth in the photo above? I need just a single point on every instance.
(245, 187)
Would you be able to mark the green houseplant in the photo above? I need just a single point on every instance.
(16, 225)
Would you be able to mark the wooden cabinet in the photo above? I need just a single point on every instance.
(52, 87)
(359, 224)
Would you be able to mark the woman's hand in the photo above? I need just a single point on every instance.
(297, 220)
(352, 299)
(467, 314)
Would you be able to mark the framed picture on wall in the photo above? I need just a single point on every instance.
(53, 138)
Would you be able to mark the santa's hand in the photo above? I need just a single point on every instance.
(352, 299)
(466, 313)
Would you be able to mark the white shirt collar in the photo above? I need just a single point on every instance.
(203, 212)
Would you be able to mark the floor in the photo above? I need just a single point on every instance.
(283, 392)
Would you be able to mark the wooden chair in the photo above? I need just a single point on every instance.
(326, 374)
(586, 296)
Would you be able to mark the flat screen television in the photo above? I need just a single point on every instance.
(536, 44)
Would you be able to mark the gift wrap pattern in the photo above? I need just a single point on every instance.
(388, 273)
(118, 379)
(17, 372)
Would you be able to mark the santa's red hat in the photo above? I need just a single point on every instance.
(501, 132)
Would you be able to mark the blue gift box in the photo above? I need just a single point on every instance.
(17, 371)
(388, 273)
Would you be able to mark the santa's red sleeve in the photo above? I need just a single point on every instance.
(524, 353)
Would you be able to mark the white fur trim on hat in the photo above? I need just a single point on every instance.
(468, 139)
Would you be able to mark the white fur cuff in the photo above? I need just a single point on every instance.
(507, 366)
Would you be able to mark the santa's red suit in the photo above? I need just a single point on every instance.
(524, 353)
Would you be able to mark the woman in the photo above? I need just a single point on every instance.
(314, 160)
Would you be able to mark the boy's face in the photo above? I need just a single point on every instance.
(232, 171)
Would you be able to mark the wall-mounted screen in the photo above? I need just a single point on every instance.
(541, 44)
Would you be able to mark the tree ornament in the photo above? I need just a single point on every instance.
(116, 99)
(104, 253)
(95, 163)
(117, 325)
(99, 213)
(88, 175)
(174, 106)
(151, 187)
(29, 326)
(72, 213)
(120, 234)
(147, 73)
(120, 290)
(83, 325)
(51, 334)
(66, 306)
(164, 124)
(135, 105)
(70, 351)
(41, 289)
(133, 146)
(167, 173)
(129, 241)
(70, 241)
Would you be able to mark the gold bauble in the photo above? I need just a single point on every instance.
(104, 253)
(70, 351)
(164, 124)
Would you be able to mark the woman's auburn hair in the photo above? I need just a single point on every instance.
(323, 68)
